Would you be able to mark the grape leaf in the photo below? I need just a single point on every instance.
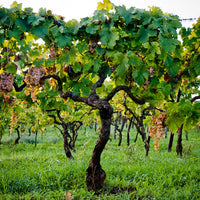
(126, 14)
(143, 35)
(109, 37)
(107, 5)
(82, 47)
(165, 88)
(63, 40)
(11, 68)
(77, 67)
(40, 31)
(123, 66)
(184, 107)
(134, 59)
(92, 29)
(172, 66)
(22, 25)
(97, 65)
(168, 44)
(16, 33)
(35, 19)
(140, 74)
(174, 122)
(197, 67)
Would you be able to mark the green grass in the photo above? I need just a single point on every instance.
(44, 172)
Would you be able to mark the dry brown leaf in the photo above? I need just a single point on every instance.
(68, 195)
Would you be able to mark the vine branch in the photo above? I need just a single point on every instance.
(19, 88)
(128, 91)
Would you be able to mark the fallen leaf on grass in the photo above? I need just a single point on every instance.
(68, 195)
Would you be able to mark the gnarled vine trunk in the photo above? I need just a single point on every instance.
(128, 131)
(170, 142)
(18, 136)
(147, 145)
(95, 175)
(66, 146)
(179, 147)
(120, 131)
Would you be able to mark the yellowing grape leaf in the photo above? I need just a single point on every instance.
(106, 5)
(1, 70)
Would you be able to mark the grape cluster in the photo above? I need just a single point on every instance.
(33, 77)
(157, 129)
(6, 82)
(13, 120)
(52, 52)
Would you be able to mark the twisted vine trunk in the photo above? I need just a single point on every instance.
(170, 142)
(67, 146)
(36, 132)
(120, 131)
(95, 175)
(128, 131)
(147, 145)
(179, 147)
(18, 136)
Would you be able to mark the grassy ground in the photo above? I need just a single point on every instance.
(44, 172)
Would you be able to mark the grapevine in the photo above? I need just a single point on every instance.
(6, 82)
(157, 129)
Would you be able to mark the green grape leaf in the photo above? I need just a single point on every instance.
(172, 66)
(109, 37)
(138, 77)
(38, 62)
(156, 23)
(35, 19)
(22, 25)
(63, 40)
(28, 10)
(156, 47)
(77, 67)
(165, 88)
(88, 66)
(16, 33)
(168, 44)
(184, 107)
(55, 31)
(49, 62)
(174, 122)
(82, 47)
(42, 11)
(92, 29)
(76, 88)
(72, 26)
(123, 66)
(40, 31)
(197, 67)
(97, 65)
(11, 68)
(134, 59)
(126, 14)
(143, 35)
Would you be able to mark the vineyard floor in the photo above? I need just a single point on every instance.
(43, 172)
